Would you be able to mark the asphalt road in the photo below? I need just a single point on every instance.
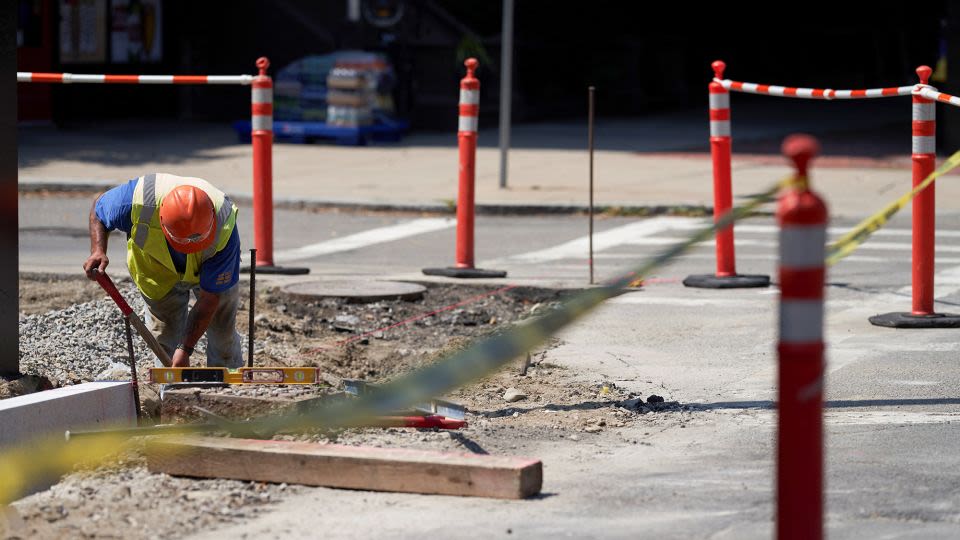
(893, 396)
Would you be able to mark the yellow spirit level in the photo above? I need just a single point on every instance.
(244, 375)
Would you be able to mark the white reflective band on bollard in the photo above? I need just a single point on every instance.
(720, 101)
(262, 123)
(801, 321)
(262, 95)
(467, 123)
(469, 97)
(924, 111)
(719, 128)
(924, 144)
(801, 247)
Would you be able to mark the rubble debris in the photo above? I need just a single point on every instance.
(26, 384)
(512, 395)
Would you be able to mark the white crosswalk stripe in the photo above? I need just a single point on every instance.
(601, 241)
(366, 238)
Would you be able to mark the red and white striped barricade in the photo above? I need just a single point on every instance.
(261, 134)
(721, 149)
(467, 139)
(924, 159)
(802, 216)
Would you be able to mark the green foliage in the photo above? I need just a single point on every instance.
(470, 46)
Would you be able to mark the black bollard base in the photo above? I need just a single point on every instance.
(282, 270)
(465, 273)
(909, 320)
(739, 281)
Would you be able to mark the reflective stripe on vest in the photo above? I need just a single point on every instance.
(149, 207)
(223, 215)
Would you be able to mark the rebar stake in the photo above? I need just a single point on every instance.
(253, 305)
(133, 369)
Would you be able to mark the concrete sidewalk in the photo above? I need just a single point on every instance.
(657, 162)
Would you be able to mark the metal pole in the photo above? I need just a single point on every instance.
(590, 114)
(9, 312)
(133, 370)
(506, 87)
(253, 305)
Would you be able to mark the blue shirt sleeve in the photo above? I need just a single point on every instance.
(222, 271)
(113, 207)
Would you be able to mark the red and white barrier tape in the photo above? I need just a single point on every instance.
(70, 78)
(813, 93)
(932, 94)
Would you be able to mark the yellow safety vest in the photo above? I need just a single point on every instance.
(148, 257)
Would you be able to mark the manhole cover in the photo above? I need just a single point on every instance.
(357, 291)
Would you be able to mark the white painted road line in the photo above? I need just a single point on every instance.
(839, 417)
(666, 240)
(578, 248)
(755, 300)
(753, 228)
(945, 282)
(764, 257)
(367, 238)
(647, 299)
(882, 418)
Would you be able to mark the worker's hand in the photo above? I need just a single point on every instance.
(97, 260)
(180, 359)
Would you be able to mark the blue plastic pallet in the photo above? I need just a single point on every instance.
(304, 132)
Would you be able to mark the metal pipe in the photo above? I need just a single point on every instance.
(506, 86)
(590, 114)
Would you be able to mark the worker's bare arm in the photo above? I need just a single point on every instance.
(197, 322)
(98, 242)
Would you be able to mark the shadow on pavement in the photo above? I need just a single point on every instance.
(832, 404)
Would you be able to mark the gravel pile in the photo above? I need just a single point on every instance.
(84, 342)
(133, 503)
(292, 391)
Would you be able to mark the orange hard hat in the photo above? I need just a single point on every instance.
(187, 219)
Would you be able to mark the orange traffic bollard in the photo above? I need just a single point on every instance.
(721, 141)
(467, 139)
(261, 134)
(802, 216)
(924, 158)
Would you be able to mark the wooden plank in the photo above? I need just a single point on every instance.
(352, 467)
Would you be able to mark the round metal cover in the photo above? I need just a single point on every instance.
(357, 290)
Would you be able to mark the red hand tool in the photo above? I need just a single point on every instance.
(107, 284)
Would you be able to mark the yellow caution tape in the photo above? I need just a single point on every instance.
(849, 242)
(20, 466)
(486, 356)
(42, 462)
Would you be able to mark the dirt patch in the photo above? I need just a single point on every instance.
(510, 412)
(377, 340)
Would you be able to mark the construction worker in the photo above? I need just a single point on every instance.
(181, 238)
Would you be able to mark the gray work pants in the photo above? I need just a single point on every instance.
(167, 319)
